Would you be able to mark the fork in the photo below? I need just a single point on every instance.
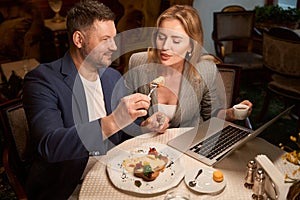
(153, 86)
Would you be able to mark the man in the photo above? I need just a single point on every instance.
(76, 106)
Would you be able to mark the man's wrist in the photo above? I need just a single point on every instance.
(109, 126)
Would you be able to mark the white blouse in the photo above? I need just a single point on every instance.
(168, 110)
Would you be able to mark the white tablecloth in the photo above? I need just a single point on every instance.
(97, 184)
(20, 67)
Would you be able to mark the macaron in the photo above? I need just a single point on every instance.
(218, 176)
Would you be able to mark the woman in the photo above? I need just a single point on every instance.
(192, 85)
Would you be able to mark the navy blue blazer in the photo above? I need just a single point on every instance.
(62, 136)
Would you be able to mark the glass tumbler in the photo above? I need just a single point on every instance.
(177, 195)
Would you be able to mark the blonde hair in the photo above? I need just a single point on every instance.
(190, 20)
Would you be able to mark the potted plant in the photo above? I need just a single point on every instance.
(272, 15)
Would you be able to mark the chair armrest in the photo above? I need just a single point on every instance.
(220, 49)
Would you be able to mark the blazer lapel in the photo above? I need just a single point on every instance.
(107, 89)
(188, 98)
(72, 79)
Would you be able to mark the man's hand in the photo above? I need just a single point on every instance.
(129, 109)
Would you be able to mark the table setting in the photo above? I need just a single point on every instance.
(114, 176)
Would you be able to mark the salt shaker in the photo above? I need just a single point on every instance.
(249, 179)
(259, 185)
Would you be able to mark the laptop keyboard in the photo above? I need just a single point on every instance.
(219, 142)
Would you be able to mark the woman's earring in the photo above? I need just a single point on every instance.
(188, 55)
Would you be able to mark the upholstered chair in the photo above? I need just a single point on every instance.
(281, 54)
(233, 32)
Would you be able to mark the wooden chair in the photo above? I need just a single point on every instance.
(233, 8)
(281, 53)
(209, 56)
(231, 80)
(230, 76)
(16, 144)
(233, 30)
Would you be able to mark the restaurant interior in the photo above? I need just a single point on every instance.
(257, 40)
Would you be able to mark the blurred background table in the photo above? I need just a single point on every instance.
(59, 31)
(19, 67)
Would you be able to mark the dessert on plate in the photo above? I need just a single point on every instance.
(147, 167)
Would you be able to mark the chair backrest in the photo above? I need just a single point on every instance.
(231, 79)
(233, 25)
(230, 75)
(211, 57)
(280, 53)
(233, 8)
(16, 154)
(284, 33)
(233, 31)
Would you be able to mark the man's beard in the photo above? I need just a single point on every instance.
(93, 58)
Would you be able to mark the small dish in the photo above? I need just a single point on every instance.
(205, 182)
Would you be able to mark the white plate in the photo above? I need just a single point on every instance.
(205, 182)
(168, 178)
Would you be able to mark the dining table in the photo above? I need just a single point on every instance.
(20, 67)
(98, 185)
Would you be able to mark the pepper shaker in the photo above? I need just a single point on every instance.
(249, 179)
(259, 185)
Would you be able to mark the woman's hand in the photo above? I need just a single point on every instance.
(249, 104)
(228, 114)
(158, 122)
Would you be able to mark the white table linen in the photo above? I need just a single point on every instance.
(97, 184)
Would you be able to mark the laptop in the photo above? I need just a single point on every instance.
(215, 139)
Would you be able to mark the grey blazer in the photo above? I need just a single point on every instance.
(197, 98)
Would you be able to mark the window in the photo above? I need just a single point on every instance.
(287, 3)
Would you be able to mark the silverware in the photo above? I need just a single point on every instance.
(169, 165)
(193, 182)
(153, 86)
